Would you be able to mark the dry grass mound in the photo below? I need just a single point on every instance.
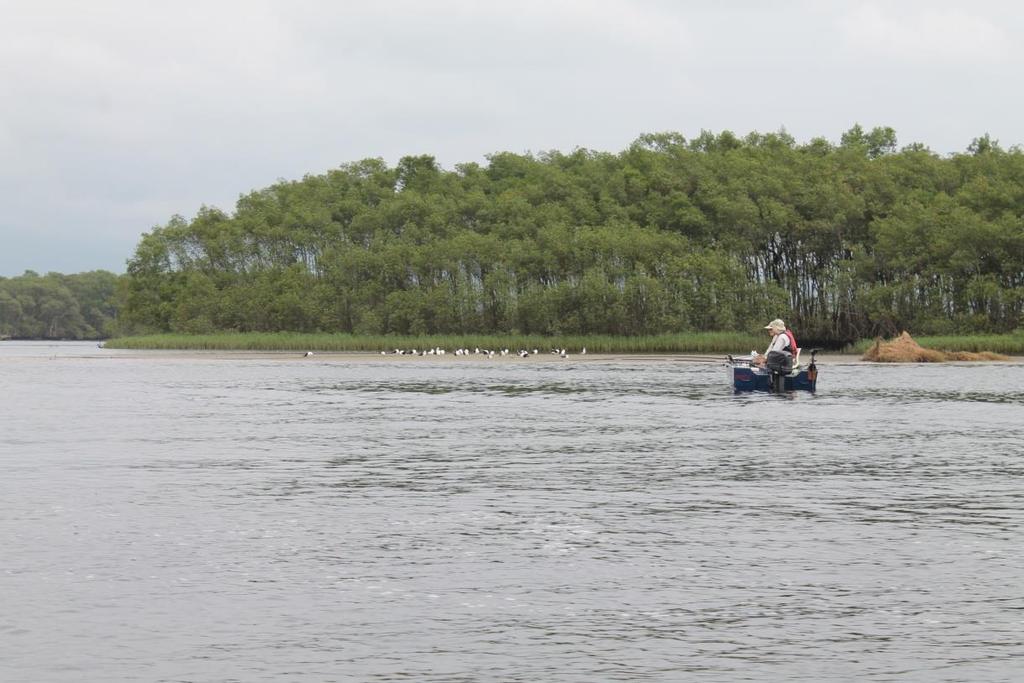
(903, 349)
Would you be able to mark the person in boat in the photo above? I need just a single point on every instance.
(781, 349)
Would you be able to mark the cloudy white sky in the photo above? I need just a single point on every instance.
(115, 115)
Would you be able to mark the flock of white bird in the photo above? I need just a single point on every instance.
(485, 353)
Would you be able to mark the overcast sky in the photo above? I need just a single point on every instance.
(114, 116)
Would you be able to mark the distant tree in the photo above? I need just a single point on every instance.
(715, 233)
(56, 306)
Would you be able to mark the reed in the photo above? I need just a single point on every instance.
(1011, 344)
(706, 342)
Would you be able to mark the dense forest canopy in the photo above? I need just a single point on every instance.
(720, 232)
(55, 306)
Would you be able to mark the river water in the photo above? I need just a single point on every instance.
(219, 517)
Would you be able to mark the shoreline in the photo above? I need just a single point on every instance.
(96, 352)
(102, 353)
(371, 357)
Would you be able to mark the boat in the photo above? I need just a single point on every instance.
(747, 377)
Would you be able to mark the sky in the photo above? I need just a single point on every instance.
(117, 115)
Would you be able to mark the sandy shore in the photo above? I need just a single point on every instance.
(371, 357)
(192, 355)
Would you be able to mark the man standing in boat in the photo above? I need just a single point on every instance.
(779, 356)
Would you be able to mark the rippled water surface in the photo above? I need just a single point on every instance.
(183, 517)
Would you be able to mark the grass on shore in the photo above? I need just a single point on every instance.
(706, 342)
(1007, 344)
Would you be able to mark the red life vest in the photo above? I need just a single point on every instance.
(792, 342)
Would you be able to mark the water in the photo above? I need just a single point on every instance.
(183, 517)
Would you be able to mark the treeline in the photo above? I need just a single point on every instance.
(845, 241)
(56, 306)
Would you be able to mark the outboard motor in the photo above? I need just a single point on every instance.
(779, 364)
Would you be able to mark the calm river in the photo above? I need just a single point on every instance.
(191, 517)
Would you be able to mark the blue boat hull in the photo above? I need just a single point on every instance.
(745, 378)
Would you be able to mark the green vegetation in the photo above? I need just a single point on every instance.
(716, 342)
(1011, 344)
(670, 245)
(55, 306)
(718, 233)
